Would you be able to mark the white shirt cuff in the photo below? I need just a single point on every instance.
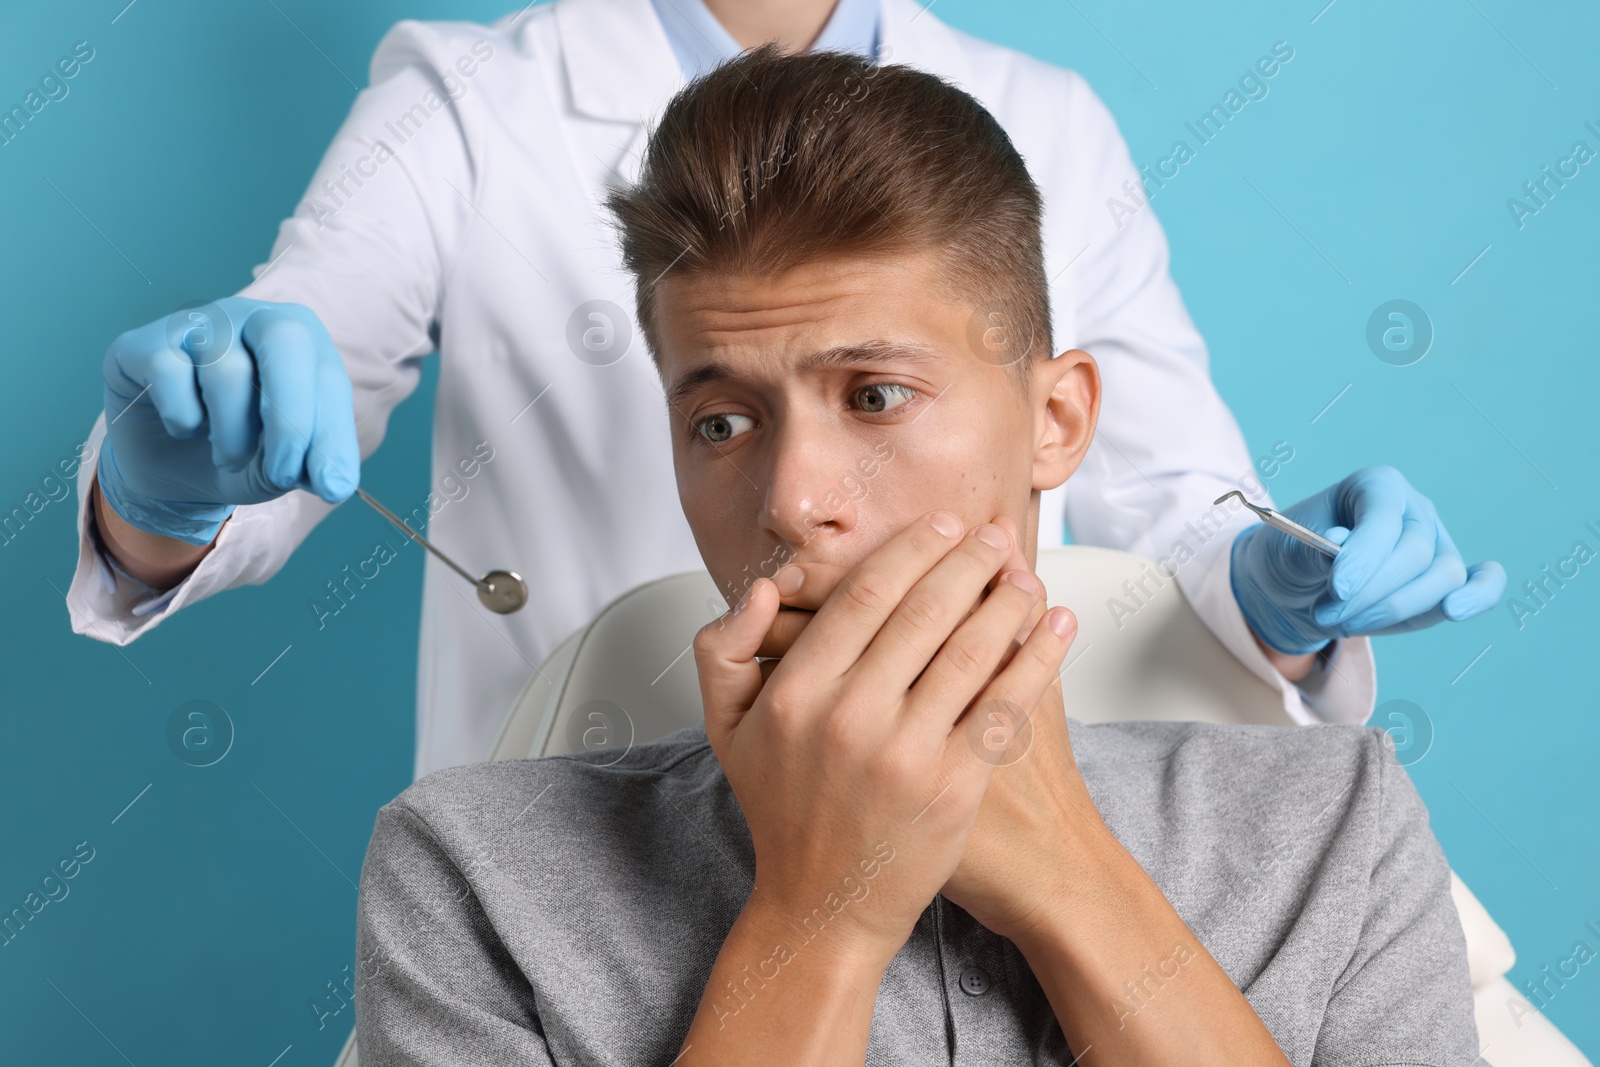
(105, 601)
(112, 576)
(1343, 684)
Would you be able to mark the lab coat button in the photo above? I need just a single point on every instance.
(974, 981)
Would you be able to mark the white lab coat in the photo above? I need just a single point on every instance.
(477, 229)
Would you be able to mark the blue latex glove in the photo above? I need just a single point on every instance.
(1397, 569)
(236, 402)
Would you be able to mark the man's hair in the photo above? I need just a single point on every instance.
(772, 160)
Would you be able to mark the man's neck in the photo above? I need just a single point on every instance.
(794, 24)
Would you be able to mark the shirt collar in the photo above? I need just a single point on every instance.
(700, 42)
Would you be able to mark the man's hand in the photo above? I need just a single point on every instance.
(1043, 869)
(1397, 569)
(853, 769)
(1036, 789)
(1017, 852)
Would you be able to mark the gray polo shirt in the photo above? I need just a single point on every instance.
(568, 910)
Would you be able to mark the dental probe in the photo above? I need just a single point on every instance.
(1286, 524)
(502, 592)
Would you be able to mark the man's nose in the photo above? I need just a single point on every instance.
(808, 490)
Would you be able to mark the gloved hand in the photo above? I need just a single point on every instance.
(1397, 568)
(236, 402)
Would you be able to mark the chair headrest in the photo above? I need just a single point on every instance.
(628, 677)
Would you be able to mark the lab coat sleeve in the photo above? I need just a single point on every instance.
(368, 249)
(1167, 445)
(434, 980)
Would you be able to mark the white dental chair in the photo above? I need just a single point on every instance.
(628, 677)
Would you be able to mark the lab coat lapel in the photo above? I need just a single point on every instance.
(908, 33)
(619, 67)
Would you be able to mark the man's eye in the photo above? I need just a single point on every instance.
(881, 397)
(719, 429)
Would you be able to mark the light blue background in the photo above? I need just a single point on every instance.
(1379, 166)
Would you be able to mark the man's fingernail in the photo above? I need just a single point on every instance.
(946, 523)
(994, 537)
(1024, 581)
(789, 580)
(1061, 621)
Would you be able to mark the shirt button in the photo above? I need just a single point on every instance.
(974, 981)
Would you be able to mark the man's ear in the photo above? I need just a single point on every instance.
(1066, 406)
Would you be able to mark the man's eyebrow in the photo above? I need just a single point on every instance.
(868, 353)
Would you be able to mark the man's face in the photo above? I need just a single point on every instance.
(850, 402)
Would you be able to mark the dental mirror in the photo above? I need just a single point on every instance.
(502, 592)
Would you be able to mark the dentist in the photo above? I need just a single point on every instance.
(458, 211)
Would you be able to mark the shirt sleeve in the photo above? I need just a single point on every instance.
(1167, 445)
(368, 248)
(435, 985)
(1405, 997)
